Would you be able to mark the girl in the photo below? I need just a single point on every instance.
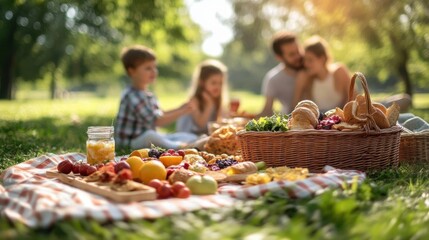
(326, 83)
(209, 93)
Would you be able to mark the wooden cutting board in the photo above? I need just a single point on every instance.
(103, 189)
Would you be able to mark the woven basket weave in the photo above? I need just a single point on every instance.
(314, 149)
(414, 148)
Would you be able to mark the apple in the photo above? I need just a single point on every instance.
(90, 170)
(121, 165)
(65, 166)
(164, 191)
(83, 168)
(76, 167)
(155, 183)
(184, 193)
(177, 186)
(202, 185)
(261, 165)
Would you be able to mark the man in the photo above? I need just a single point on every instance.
(279, 82)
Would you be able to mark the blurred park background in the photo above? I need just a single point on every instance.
(70, 49)
(60, 73)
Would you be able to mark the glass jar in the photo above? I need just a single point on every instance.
(100, 145)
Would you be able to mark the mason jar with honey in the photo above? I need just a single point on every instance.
(100, 145)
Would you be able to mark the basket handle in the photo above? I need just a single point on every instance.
(370, 123)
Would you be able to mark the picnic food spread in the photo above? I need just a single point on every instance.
(168, 173)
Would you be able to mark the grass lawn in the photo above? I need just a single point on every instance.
(392, 204)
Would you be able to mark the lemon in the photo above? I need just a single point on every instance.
(135, 164)
(153, 169)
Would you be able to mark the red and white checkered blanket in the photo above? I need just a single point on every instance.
(332, 178)
(28, 196)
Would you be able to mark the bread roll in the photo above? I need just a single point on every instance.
(381, 107)
(190, 151)
(350, 113)
(343, 126)
(393, 114)
(303, 118)
(380, 119)
(310, 105)
(181, 175)
(241, 168)
(361, 110)
(360, 99)
(224, 140)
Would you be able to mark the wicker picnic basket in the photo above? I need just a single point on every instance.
(314, 149)
(414, 148)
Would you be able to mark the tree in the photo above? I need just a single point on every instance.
(385, 35)
(42, 36)
(394, 27)
(248, 55)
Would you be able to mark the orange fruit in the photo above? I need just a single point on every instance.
(135, 164)
(143, 153)
(170, 160)
(153, 169)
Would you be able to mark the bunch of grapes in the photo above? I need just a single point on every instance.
(327, 123)
(213, 167)
(224, 163)
(155, 152)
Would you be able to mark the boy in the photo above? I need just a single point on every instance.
(139, 113)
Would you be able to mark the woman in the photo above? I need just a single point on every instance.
(322, 81)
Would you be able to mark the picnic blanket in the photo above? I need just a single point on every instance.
(333, 178)
(29, 197)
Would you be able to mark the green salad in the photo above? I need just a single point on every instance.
(275, 123)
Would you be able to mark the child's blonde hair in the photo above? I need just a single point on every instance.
(204, 71)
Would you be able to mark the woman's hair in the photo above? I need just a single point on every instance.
(319, 47)
(204, 71)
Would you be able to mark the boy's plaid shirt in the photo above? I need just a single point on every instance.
(137, 113)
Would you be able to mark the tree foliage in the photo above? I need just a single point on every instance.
(79, 37)
(384, 38)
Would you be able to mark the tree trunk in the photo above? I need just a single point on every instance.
(403, 72)
(53, 86)
(8, 63)
(402, 57)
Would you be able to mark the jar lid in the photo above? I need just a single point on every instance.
(100, 131)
